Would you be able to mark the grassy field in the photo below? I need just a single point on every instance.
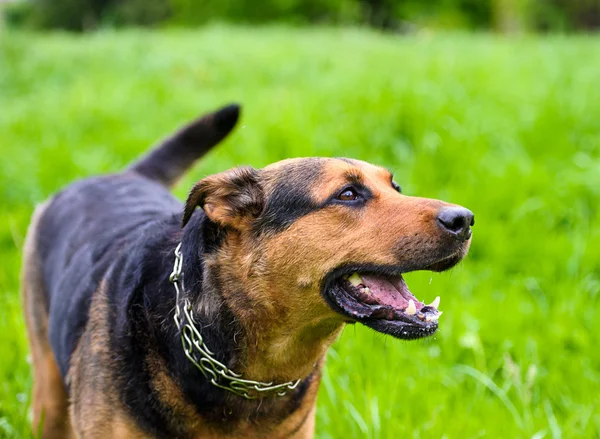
(508, 128)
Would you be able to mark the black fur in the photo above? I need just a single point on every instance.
(124, 229)
(169, 160)
(290, 198)
(81, 233)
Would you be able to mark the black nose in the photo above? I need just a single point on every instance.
(457, 221)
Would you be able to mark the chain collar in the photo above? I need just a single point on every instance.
(199, 354)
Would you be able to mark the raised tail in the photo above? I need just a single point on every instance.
(169, 160)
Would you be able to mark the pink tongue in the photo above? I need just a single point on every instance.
(396, 294)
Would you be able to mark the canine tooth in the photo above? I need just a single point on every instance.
(411, 310)
(366, 290)
(436, 303)
(433, 317)
(355, 279)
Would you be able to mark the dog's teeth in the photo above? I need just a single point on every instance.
(355, 279)
(411, 310)
(432, 317)
(436, 303)
(366, 290)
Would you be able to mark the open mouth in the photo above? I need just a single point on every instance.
(384, 303)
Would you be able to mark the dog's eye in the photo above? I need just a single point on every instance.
(347, 194)
(396, 187)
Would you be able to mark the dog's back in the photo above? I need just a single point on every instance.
(81, 233)
(76, 236)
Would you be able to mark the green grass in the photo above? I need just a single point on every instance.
(509, 128)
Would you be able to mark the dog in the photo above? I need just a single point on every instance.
(146, 320)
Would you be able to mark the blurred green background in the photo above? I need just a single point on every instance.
(504, 121)
(401, 15)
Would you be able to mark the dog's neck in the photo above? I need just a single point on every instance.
(286, 351)
(157, 366)
(236, 341)
(264, 343)
(272, 343)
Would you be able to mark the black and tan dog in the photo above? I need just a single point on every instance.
(271, 268)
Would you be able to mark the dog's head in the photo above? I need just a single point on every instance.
(327, 240)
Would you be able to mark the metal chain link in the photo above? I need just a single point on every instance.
(202, 357)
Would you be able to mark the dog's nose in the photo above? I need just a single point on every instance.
(457, 221)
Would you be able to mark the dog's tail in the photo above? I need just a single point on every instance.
(169, 160)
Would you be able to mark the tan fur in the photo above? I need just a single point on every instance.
(272, 284)
(222, 200)
(96, 410)
(50, 400)
(283, 273)
(171, 395)
(299, 425)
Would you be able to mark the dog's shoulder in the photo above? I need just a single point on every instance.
(84, 230)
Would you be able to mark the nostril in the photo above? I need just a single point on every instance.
(455, 224)
(456, 221)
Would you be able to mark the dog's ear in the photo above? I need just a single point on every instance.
(231, 199)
